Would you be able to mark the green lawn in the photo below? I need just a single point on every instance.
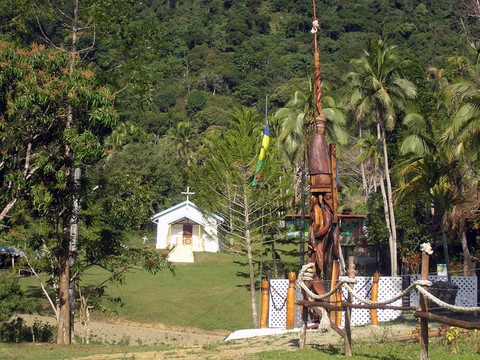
(383, 351)
(207, 294)
(58, 352)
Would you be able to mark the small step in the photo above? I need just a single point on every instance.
(181, 254)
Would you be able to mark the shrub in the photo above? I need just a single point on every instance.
(12, 299)
(17, 331)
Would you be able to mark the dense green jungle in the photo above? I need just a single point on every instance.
(148, 97)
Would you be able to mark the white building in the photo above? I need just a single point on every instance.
(184, 229)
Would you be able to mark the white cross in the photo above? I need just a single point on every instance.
(188, 192)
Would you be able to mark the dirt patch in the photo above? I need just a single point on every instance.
(248, 348)
(129, 333)
(194, 345)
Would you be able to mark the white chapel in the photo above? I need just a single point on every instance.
(184, 229)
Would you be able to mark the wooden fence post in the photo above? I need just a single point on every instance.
(290, 323)
(303, 330)
(264, 314)
(374, 312)
(424, 307)
(338, 320)
(333, 297)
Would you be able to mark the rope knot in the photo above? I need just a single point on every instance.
(426, 248)
(307, 272)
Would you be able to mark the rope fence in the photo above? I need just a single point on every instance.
(328, 310)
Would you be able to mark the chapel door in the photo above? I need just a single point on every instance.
(187, 234)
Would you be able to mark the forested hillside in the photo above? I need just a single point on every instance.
(147, 97)
(173, 61)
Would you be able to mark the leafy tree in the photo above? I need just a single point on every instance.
(123, 134)
(195, 103)
(210, 116)
(131, 191)
(377, 231)
(165, 99)
(65, 114)
(225, 189)
(470, 13)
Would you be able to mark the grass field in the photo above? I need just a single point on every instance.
(380, 351)
(207, 294)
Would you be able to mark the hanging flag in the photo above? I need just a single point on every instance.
(263, 150)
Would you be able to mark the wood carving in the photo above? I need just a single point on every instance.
(323, 238)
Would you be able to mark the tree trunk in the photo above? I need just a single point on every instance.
(274, 258)
(362, 169)
(63, 334)
(73, 250)
(390, 205)
(468, 266)
(66, 287)
(387, 223)
(386, 209)
(251, 268)
(445, 249)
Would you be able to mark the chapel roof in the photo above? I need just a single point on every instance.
(194, 216)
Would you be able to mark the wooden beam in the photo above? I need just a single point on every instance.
(448, 321)
(344, 305)
(381, 307)
(328, 306)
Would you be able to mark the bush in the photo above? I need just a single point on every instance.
(43, 332)
(195, 103)
(12, 299)
(17, 331)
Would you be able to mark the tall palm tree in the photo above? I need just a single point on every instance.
(183, 137)
(377, 87)
(464, 95)
(462, 138)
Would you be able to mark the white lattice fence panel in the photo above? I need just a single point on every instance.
(467, 289)
(362, 287)
(387, 288)
(277, 300)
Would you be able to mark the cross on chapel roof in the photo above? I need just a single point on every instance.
(188, 192)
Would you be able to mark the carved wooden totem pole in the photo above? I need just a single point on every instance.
(323, 235)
